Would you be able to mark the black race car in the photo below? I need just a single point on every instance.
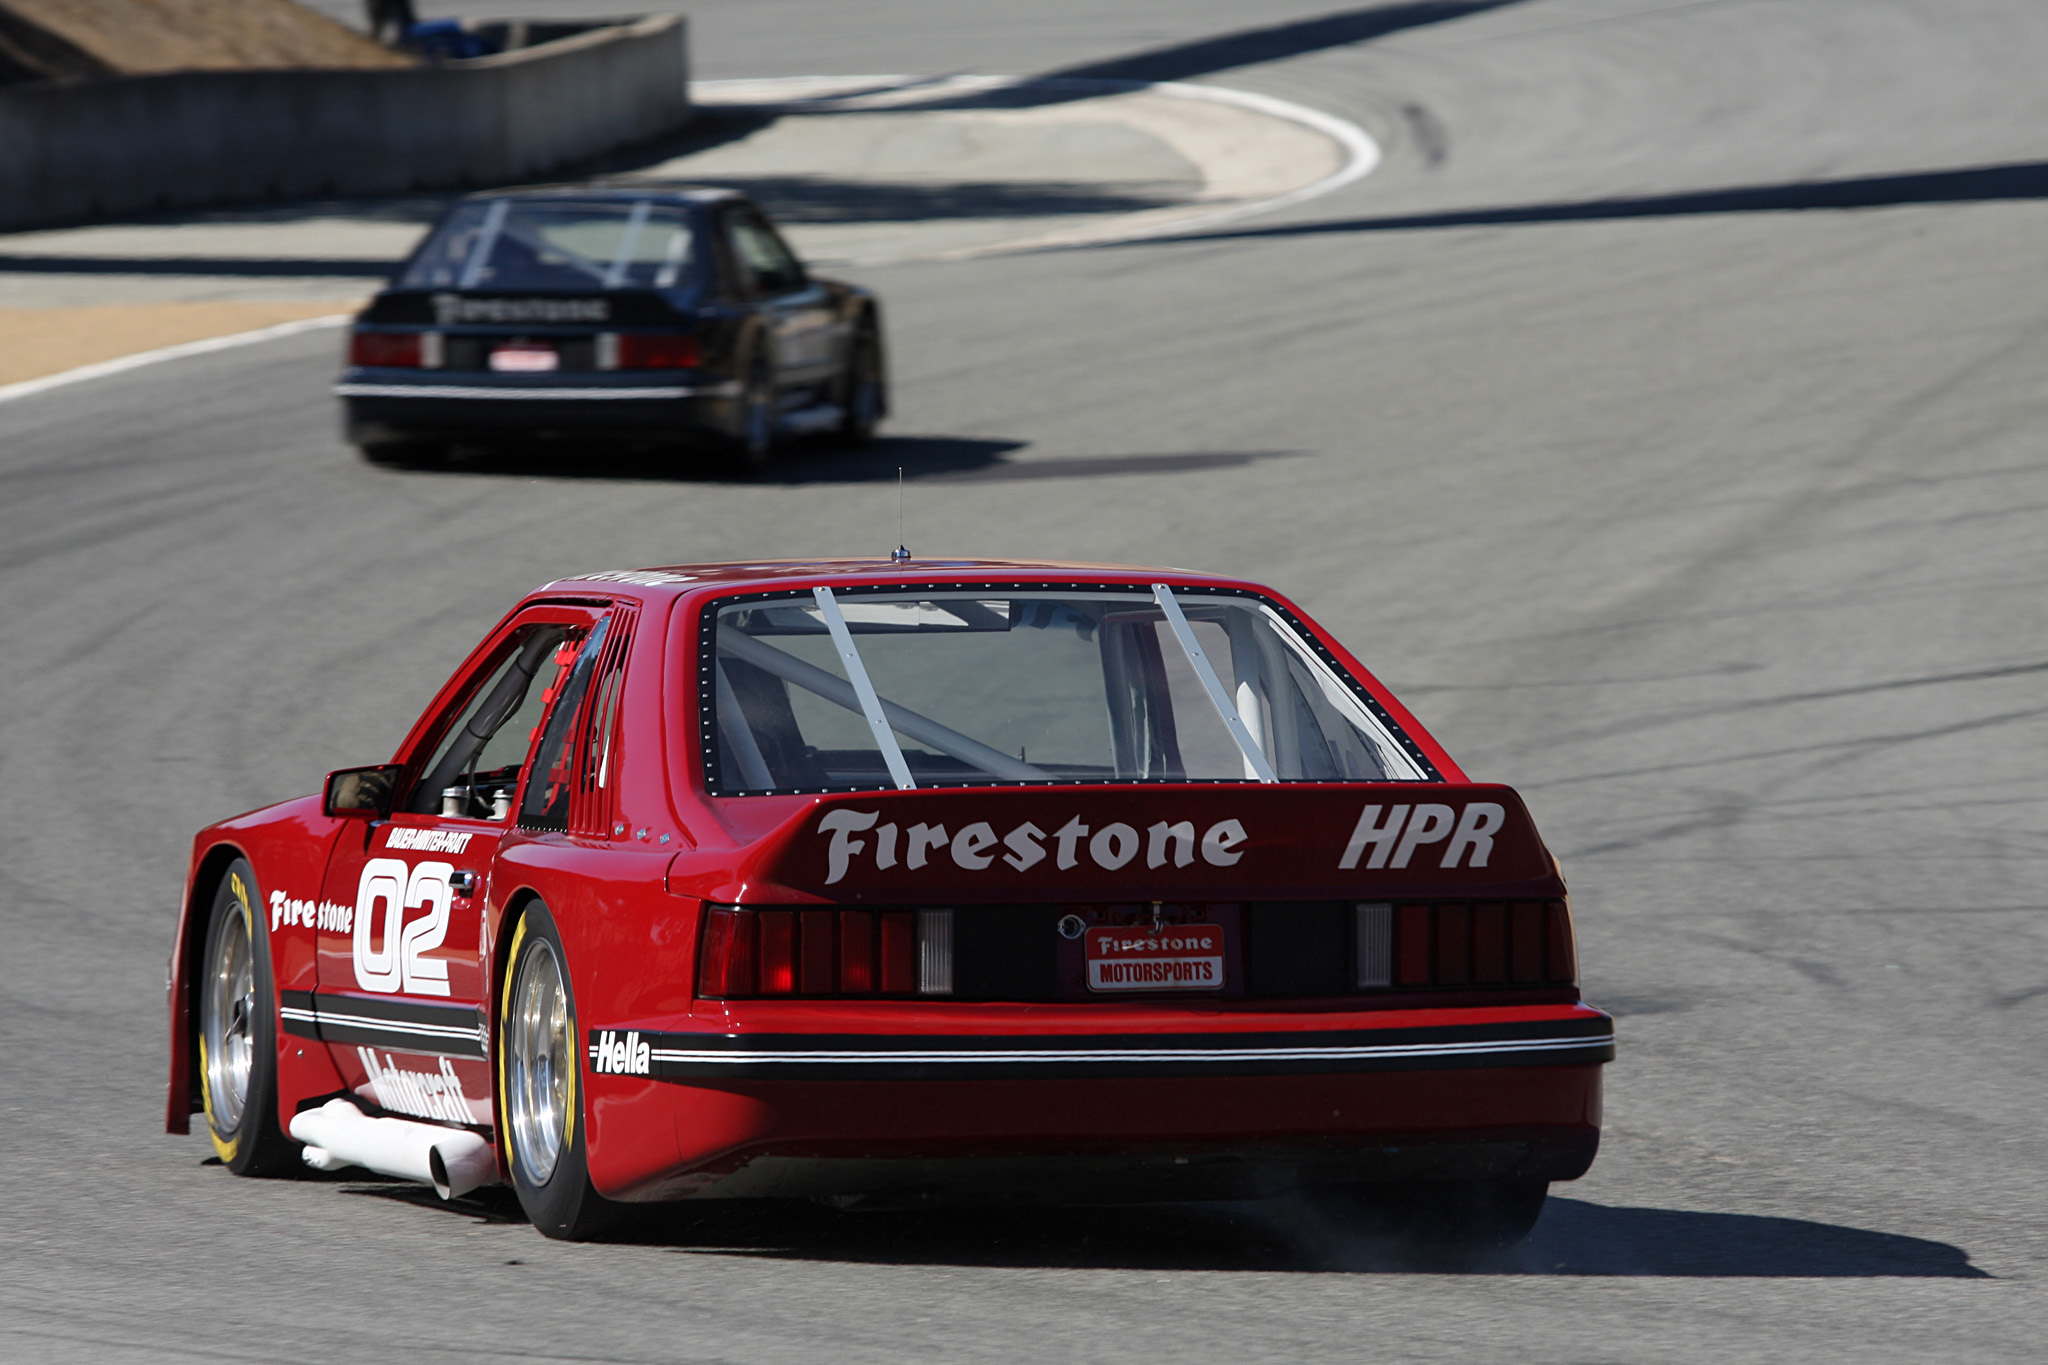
(637, 315)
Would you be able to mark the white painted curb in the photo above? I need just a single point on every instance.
(10, 392)
(905, 93)
(1361, 152)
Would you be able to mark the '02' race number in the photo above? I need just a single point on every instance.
(400, 963)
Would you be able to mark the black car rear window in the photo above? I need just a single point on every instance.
(556, 245)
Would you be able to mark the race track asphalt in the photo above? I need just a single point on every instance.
(1664, 421)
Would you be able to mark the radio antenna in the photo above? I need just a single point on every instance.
(902, 550)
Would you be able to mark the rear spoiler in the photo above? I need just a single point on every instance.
(1378, 841)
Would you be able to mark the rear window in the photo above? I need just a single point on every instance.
(858, 691)
(549, 244)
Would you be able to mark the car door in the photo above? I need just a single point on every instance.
(404, 952)
(798, 309)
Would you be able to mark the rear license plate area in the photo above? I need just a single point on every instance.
(1108, 952)
(525, 358)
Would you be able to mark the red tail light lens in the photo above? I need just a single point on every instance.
(386, 349)
(1411, 946)
(1560, 953)
(899, 953)
(817, 974)
(659, 352)
(778, 951)
(1526, 943)
(856, 952)
(1489, 944)
(1453, 946)
(749, 953)
(726, 965)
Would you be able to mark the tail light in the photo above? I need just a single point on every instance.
(643, 351)
(390, 350)
(767, 953)
(726, 965)
(1491, 943)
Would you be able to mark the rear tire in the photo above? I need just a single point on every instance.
(238, 1033)
(865, 396)
(404, 454)
(541, 1122)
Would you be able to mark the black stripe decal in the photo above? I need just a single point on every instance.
(403, 1025)
(684, 1056)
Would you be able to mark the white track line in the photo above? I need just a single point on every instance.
(10, 392)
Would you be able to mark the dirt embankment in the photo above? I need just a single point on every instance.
(66, 40)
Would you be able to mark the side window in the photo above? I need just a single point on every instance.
(770, 267)
(546, 805)
(477, 769)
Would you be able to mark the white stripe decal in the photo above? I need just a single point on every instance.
(477, 391)
(1111, 1056)
(393, 1025)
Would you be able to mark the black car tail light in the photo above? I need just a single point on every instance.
(814, 953)
(659, 352)
(388, 350)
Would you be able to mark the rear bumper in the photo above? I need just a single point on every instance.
(381, 406)
(1097, 1119)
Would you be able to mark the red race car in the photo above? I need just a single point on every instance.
(888, 881)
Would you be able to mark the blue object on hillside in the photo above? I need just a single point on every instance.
(443, 40)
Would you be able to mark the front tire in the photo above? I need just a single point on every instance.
(238, 1033)
(540, 1087)
(751, 447)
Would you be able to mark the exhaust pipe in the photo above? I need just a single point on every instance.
(453, 1160)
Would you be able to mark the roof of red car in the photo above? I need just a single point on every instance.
(676, 579)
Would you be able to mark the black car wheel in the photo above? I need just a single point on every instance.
(404, 454)
(865, 397)
(540, 1087)
(238, 1033)
(752, 445)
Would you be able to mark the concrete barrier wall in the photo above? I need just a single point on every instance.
(94, 148)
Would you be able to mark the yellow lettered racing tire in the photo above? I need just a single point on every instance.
(540, 1086)
(236, 1006)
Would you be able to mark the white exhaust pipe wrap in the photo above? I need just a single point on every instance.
(452, 1160)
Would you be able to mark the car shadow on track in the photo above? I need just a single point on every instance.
(1575, 1238)
(922, 459)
